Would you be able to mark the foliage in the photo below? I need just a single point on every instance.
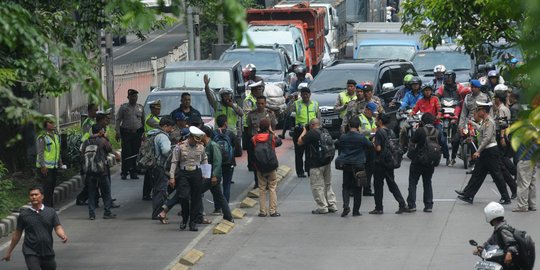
(3, 170)
(72, 157)
(111, 135)
(12, 195)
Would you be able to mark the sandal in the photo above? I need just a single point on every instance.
(163, 219)
(276, 214)
(206, 221)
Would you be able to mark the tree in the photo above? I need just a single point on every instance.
(481, 24)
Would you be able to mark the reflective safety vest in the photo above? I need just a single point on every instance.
(253, 101)
(51, 151)
(88, 122)
(345, 98)
(232, 118)
(147, 127)
(304, 113)
(366, 125)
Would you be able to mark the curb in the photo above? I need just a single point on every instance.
(61, 193)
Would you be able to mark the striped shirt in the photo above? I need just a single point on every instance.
(38, 227)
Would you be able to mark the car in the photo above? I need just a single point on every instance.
(188, 75)
(170, 100)
(386, 49)
(326, 86)
(451, 57)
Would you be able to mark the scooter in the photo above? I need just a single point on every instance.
(410, 123)
(468, 139)
(492, 257)
(449, 118)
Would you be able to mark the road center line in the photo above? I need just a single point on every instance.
(144, 44)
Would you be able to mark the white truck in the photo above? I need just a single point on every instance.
(335, 25)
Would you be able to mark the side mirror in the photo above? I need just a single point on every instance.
(473, 243)
(334, 51)
(335, 21)
(311, 43)
(387, 87)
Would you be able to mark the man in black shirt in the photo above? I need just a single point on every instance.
(37, 222)
(191, 113)
(319, 169)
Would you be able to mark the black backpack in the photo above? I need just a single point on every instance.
(265, 157)
(225, 146)
(526, 249)
(391, 152)
(430, 153)
(94, 158)
(326, 149)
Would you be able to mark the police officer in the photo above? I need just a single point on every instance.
(253, 119)
(355, 108)
(87, 124)
(368, 126)
(129, 127)
(250, 104)
(345, 97)
(369, 97)
(188, 156)
(225, 107)
(181, 123)
(152, 119)
(48, 159)
(488, 157)
(306, 109)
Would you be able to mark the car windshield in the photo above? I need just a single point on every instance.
(264, 61)
(194, 79)
(170, 102)
(336, 79)
(385, 51)
(426, 61)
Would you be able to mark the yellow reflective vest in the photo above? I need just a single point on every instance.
(51, 151)
(304, 113)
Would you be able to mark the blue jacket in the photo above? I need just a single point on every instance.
(162, 146)
(410, 100)
(353, 147)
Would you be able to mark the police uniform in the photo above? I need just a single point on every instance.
(188, 158)
(129, 124)
(249, 104)
(502, 118)
(469, 105)
(487, 162)
(304, 114)
(366, 127)
(342, 101)
(48, 156)
(152, 121)
(233, 113)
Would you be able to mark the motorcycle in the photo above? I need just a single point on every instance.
(492, 257)
(408, 125)
(469, 134)
(449, 119)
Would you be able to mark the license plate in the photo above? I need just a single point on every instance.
(327, 122)
(449, 110)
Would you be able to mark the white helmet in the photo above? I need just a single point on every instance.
(493, 210)
(501, 87)
(302, 85)
(225, 90)
(439, 68)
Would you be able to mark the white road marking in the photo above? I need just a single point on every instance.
(496, 192)
(146, 43)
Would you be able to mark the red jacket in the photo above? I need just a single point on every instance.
(462, 91)
(430, 105)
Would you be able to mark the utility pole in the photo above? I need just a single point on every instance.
(109, 71)
(220, 27)
(197, 32)
(191, 39)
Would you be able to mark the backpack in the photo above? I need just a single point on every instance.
(326, 149)
(94, 158)
(430, 153)
(391, 154)
(225, 145)
(265, 156)
(526, 249)
(147, 153)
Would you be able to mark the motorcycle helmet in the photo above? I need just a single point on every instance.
(367, 85)
(500, 88)
(493, 210)
(225, 91)
(427, 86)
(439, 68)
(407, 79)
(492, 74)
(251, 68)
(245, 73)
(450, 74)
(300, 70)
(416, 80)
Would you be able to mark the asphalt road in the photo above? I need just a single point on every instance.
(158, 43)
(297, 239)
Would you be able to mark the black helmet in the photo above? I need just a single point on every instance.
(426, 86)
(450, 74)
(300, 70)
(416, 80)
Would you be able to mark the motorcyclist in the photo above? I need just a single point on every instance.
(453, 90)
(224, 106)
(493, 80)
(438, 74)
(252, 75)
(413, 96)
(292, 75)
(469, 104)
(503, 235)
(300, 72)
(402, 90)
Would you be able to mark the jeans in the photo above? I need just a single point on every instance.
(147, 184)
(380, 174)
(159, 189)
(49, 183)
(486, 163)
(349, 184)
(227, 172)
(34, 262)
(443, 141)
(219, 200)
(415, 171)
(95, 180)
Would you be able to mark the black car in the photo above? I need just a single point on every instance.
(333, 79)
(451, 57)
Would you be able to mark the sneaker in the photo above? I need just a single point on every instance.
(262, 215)
(447, 162)
(147, 198)
(319, 212)
(301, 175)
(452, 162)
(532, 208)
(410, 209)
(345, 212)
(507, 201)
(428, 210)
(368, 193)
(109, 216)
(376, 212)
(281, 136)
(115, 205)
(332, 210)
(402, 210)
(517, 209)
(92, 217)
(514, 196)
(134, 177)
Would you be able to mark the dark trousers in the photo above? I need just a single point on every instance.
(94, 182)
(443, 141)
(415, 171)
(227, 172)
(370, 158)
(147, 184)
(298, 152)
(349, 185)
(380, 174)
(488, 162)
(34, 262)
(250, 148)
(159, 190)
(131, 142)
(219, 200)
(190, 208)
(48, 183)
(506, 169)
